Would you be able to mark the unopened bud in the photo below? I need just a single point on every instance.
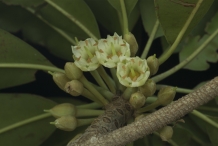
(137, 100)
(130, 39)
(166, 95)
(60, 79)
(72, 71)
(153, 64)
(64, 109)
(74, 87)
(149, 88)
(166, 133)
(66, 123)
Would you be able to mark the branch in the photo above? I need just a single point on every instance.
(156, 120)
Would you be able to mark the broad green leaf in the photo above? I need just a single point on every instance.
(107, 16)
(200, 62)
(213, 132)
(74, 100)
(12, 17)
(25, 3)
(14, 50)
(178, 133)
(19, 107)
(75, 9)
(194, 130)
(149, 17)
(61, 138)
(129, 4)
(174, 13)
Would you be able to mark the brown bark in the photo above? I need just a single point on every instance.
(154, 121)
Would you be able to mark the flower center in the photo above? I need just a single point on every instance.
(133, 74)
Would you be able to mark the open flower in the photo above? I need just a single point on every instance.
(132, 71)
(111, 49)
(84, 55)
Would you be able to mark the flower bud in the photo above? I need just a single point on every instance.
(149, 88)
(166, 133)
(138, 117)
(166, 95)
(66, 123)
(153, 64)
(137, 100)
(72, 71)
(74, 87)
(60, 79)
(64, 109)
(130, 39)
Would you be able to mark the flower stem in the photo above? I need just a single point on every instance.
(170, 51)
(178, 89)
(24, 122)
(86, 93)
(150, 40)
(61, 32)
(205, 118)
(99, 80)
(91, 88)
(118, 85)
(148, 107)
(187, 60)
(128, 92)
(72, 18)
(31, 66)
(124, 16)
(88, 112)
(82, 122)
(205, 108)
(107, 79)
(93, 105)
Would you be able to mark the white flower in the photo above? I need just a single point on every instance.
(132, 71)
(111, 49)
(84, 55)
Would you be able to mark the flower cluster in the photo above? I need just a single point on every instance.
(111, 52)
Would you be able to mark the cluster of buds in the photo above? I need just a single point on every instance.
(65, 114)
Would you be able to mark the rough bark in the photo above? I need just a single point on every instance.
(154, 121)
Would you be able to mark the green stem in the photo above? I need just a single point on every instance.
(205, 118)
(148, 107)
(118, 85)
(93, 105)
(88, 112)
(125, 18)
(106, 93)
(128, 92)
(72, 18)
(61, 32)
(178, 89)
(86, 93)
(31, 66)
(91, 88)
(150, 40)
(107, 79)
(210, 109)
(187, 60)
(24, 122)
(170, 141)
(98, 79)
(83, 122)
(170, 51)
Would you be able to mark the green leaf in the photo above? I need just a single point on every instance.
(178, 133)
(149, 18)
(75, 9)
(12, 17)
(19, 107)
(129, 4)
(174, 13)
(213, 132)
(25, 3)
(200, 62)
(14, 50)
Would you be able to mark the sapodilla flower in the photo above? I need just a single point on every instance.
(84, 55)
(111, 49)
(132, 71)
